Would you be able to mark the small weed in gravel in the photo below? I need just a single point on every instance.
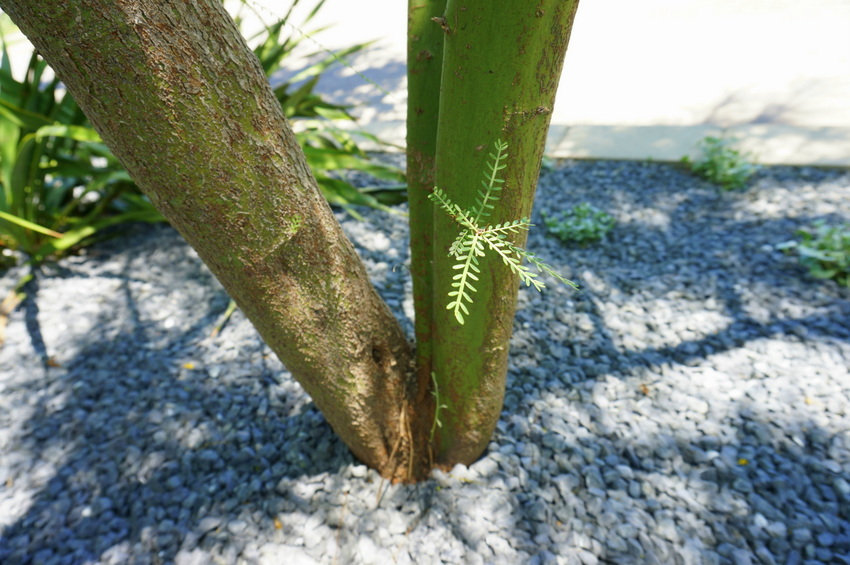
(824, 250)
(722, 164)
(581, 224)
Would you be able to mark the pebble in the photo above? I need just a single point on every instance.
(275, 553)
(666, 393)
(237, 527)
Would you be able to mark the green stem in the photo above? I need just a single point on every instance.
(424, 64)
(501, 68)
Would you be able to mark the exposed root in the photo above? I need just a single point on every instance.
(409, 434)
(404, 433)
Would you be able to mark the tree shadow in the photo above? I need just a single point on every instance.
(265, 465)
(120, 430)
(771, 473)
(723, 274)
(368, 81)
(770, 485)
(799, 103)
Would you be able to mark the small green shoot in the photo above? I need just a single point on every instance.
(474, 240)
(231, 308)
(582, 224)
(722, 164)
(438, 408)
(824, 250)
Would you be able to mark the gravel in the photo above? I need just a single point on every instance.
(691, 404)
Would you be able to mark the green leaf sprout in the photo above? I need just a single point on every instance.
(475, 240)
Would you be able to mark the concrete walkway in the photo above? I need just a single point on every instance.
(649, 79)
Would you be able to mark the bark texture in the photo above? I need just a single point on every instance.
(177, 95)
(501, 69)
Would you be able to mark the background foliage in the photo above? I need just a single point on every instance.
(722, 164)
(60, 183)
(582, 224)
(61, 186)
(824, 250)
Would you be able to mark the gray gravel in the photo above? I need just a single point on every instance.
(690, 405)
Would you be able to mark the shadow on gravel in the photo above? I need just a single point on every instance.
(137, 454)
(774, 493)
(129, 443)
(30, 308)
(730, 270)
(689, 287)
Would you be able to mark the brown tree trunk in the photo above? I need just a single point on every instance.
(177, 95)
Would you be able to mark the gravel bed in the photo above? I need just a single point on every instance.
(691, 404)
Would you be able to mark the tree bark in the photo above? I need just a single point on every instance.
(177, 95)
(501, 68)
(424, 68)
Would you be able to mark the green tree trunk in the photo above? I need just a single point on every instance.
(501, 68)
(424, 68)
(177, 95)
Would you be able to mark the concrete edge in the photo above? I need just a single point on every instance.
(767, 144)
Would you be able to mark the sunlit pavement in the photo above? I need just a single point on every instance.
(646, 79)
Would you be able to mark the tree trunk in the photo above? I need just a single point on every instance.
(424, 67)
(177, 95)
(501, 67)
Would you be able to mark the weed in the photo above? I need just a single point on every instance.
(824, 250)
(722, 164)
(582, 224)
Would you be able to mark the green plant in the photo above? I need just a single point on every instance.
(328, 148)
(473, 240)
(581, 224)
(60, 184)
(721, 163)
(824, 250)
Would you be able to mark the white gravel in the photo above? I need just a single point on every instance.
(691, 404)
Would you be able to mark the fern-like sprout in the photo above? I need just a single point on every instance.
(473, 241)
(492, 182)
